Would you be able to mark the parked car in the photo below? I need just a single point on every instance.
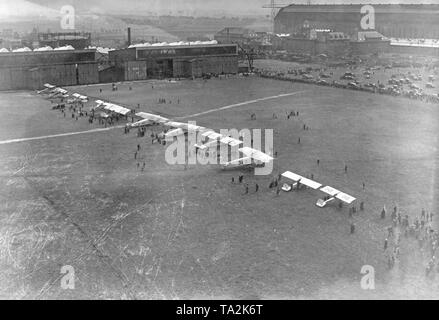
(353, 85)
(307, 76)
(325, 75)
(414, 86)
(347, 77)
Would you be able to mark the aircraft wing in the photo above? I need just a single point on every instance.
(235, 143)
(256, 154)
(47, 87)
(231, 142)
(144, 122)
(215, 137)
(174, 133)
(206, 134)
(192, 127)
(184, 126)
(201, 147)
(305, 181)
(330, 191)
(152, 117)
(117, 109)
(58, 91)
(212, 135)
(61, 91)
(177, 125)
(345, 198)
(292, 176)
(99, 104)
(338, 194)
(310, 183)
(237, 161)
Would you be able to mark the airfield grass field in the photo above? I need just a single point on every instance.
(176, 232)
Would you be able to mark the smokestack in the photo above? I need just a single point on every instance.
(129, 36)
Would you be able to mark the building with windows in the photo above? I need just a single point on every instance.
(78, 40)
(173, 61)
(409, 21)
(237, 35)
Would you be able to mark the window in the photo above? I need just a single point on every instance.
(186, 52)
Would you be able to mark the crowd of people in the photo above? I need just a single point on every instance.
(403, 229)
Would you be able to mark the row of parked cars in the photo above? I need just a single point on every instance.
(396, 89)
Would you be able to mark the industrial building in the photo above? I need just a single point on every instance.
(171, 61)
(234, 35)
(31, 70)
(78, 40)
(334, 44)
(391, 20)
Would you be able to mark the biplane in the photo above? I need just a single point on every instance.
(76, 97)
(48, 88)
(252, 158)
(332, 193)
(148, 119)
(211, 139)
(180, 128)
(58, 93)
(111, 107)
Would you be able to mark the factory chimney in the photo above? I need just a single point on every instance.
(129, 36)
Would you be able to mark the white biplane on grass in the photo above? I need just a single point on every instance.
(252, 158)
(148, 119)
(211, 139)
(332, 193)
(77, 98)
(111, 108)
(180, 128)
(48, 88)
(58, 93)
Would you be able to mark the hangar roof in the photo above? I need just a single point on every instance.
(355, 8)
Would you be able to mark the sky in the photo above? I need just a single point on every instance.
(174, 7)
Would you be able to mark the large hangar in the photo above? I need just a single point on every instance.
(167, 61)
(31, 70)
(391, 20)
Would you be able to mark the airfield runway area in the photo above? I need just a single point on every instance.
(180, 232)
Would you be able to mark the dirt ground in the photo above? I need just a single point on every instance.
(172, 232)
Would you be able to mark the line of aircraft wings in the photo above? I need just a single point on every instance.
(211, 139)
(54, 92)
(112, 107)
(330, 191)
(176, 128)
